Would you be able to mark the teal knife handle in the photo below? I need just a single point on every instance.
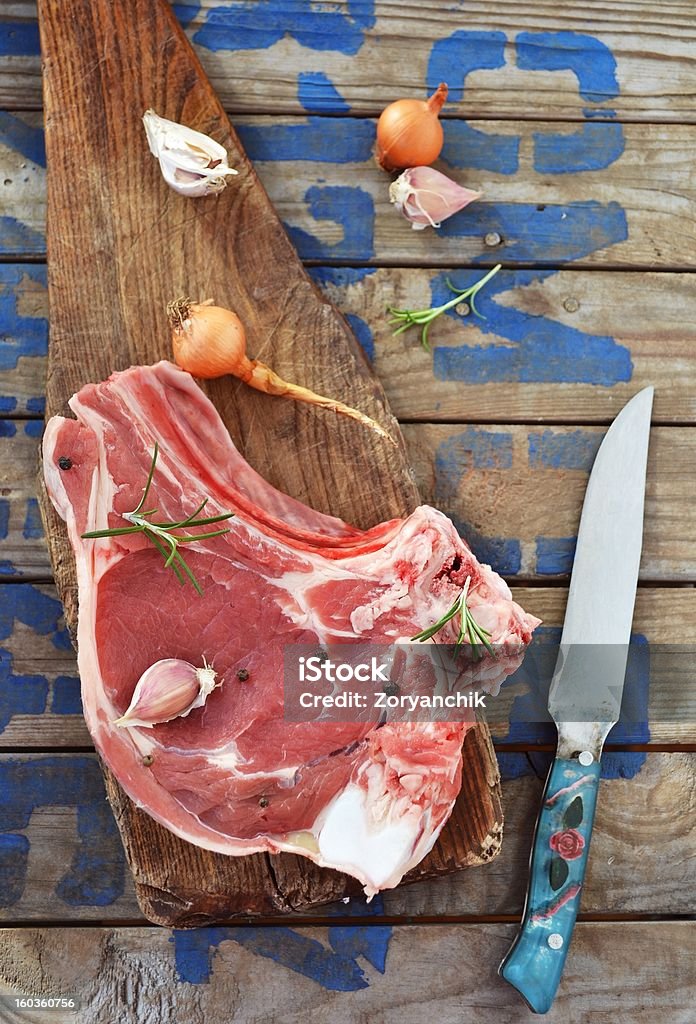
(534, 964)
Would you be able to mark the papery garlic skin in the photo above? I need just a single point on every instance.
(192, 163)
(169, 689)
(426, 197)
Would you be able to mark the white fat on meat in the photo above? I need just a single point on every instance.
(235, 776)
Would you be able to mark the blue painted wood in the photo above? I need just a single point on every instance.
(535, 962)
(553, 232)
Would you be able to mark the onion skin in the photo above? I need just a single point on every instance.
(409, 133)
(210, 341)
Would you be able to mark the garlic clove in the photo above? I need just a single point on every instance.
(169, 689)
(426, 197)
(192, 163)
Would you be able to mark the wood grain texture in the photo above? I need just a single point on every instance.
(39, 688)
(552, 321)
(643, 857)
(119, 247)
(489, 481)
(620, 196)
(643, 971)
(514, 492)
(357, 56)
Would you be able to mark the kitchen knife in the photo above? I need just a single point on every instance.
(584, 700)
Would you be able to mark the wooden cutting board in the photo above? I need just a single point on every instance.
(121, 244)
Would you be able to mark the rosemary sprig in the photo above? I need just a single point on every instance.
(424, 317)
(468, 626)
(161, 534)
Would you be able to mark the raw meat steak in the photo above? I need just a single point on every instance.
(235, 776)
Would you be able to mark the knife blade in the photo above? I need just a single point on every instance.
(584, 700)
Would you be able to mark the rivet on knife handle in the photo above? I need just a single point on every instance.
(534, 964)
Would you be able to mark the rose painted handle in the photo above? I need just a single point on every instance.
(535, 961)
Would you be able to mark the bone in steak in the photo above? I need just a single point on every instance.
(234, 776)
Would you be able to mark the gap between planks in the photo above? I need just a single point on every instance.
(501, 747)
(357, 921)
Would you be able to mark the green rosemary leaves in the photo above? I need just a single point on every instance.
(424, 317)
(468, 626)
(162, 535)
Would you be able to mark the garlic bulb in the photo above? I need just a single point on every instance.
(168, 689)
(426, 197)
(192, 163)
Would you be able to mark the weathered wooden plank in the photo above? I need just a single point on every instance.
(554, 345)
(23, 338)
(514, 491)
(61, 857)
(621, 195)
(39, 685)
(40, 699)
(584, 59)
(626, 972)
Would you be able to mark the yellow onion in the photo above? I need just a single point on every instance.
(210, 341)
(409, 133)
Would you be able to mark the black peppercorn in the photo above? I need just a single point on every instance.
(243, 675)
(263, 802)
(64, 462)
(391, 689)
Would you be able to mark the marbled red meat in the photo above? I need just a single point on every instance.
(235, 776)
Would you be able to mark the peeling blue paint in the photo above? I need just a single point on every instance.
(22, 137)
(341, 277)
(4, 517)
(318, 139)
(14, 851)
(317, 93)
(8, 569)
(37, 405)
(334, 965)
(8, 428)
(472, 448)
(554, 555)
(363, 333)
(351, 207)
(19, 694)
(26, 603)
(66, 696)
(34, 428)
(590, 60)
(469, 147)
(20, 336)
(19, 39)
(591, 112)
(542, 233)
(575, 449)
(17, 238)
(591, 148)
(475, 448)
(504, 554)
(186, 13)
(258, 24)
(532, 348)
(96, 875)
(7, 404)
(457, 55)
(33, 527)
